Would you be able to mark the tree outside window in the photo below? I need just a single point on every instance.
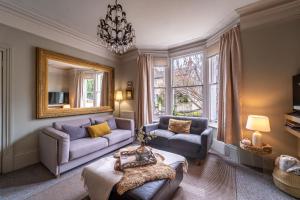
(187, 85)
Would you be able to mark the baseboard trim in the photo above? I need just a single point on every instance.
(26, 159)
(218, 146)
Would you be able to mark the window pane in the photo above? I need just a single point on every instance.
(213, 104)
(159, 76)
(89, 85)
(188, 101)
(187, 70)
(159, 102)
(213, 64)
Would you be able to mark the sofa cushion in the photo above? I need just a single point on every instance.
(179, 126)
(117, 135)
(111, 122)
(77, 122)
(85, 146)
(100, 118)
(186, 143)
(99, 130)
(162, 137)
(76, 132)
(198, 125)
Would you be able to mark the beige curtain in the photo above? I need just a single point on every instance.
(144, 112)
(78, 90)
(229, 117)
(104, 90)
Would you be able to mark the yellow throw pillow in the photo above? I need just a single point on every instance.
(99, 130)
(179, 126)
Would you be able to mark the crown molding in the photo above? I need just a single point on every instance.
(128, 56)
(17, 17)
(268, 11)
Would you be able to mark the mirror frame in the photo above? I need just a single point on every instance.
(42, 85)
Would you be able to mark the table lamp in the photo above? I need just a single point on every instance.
(119, 98)
(258, 124)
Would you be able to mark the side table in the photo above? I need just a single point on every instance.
(265, 162)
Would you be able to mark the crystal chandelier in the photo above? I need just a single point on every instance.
(114, 31)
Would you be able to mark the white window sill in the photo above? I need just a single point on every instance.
(213, 124)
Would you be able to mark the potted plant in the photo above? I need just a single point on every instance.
(143, 139)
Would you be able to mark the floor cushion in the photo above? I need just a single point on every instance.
(117, 135)
(85, 146)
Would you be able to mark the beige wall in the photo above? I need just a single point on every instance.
(127, 71)
(271, 56)
(58, 80)
(24, 125)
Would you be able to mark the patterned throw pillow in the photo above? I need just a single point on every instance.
(76, 132)
(179, 126)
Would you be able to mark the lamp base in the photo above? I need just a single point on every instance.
(257, 139)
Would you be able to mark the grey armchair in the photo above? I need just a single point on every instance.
(194, 145)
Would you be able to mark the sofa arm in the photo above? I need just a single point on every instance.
(63, 141)
(207, 139)
(150, 127)
(127, 124)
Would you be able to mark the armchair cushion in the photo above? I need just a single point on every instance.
(117, 135)
(84, 146)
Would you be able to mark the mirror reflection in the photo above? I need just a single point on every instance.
(75, 86)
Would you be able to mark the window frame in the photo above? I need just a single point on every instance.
(166, 90)
(205, 84)
(171, 99)
(211, 84)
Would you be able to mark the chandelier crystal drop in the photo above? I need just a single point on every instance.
(114, 31)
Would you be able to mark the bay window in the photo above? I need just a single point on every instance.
(189, 87)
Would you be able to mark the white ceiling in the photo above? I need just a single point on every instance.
(159, 24)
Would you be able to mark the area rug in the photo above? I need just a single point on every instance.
(214, 179)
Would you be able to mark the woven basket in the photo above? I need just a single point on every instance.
(287, 182)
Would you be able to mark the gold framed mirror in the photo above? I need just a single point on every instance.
(71, 86)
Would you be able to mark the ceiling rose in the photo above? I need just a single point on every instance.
(114, 31)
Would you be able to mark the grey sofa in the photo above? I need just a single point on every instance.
(194, 145)
(60, 154)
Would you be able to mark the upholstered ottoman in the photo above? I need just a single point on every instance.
(155, 190)
(287, 182)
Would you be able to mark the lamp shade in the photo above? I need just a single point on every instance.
(258, 123)
(119, 95)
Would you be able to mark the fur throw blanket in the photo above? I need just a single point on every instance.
(135, 177)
